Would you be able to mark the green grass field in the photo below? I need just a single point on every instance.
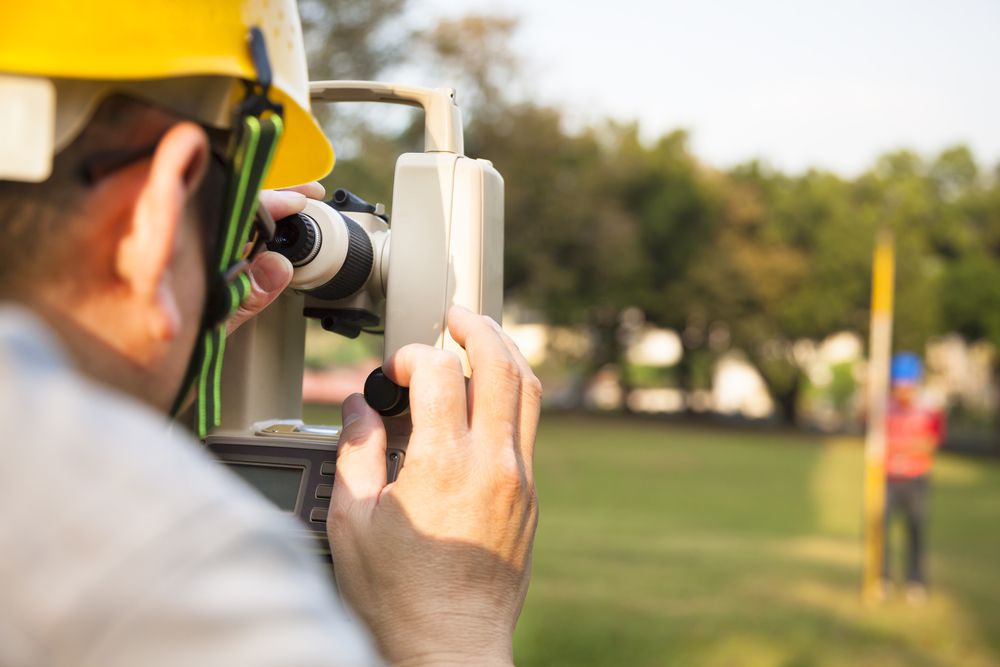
(671, 545)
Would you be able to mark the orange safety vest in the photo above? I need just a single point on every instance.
(913, 433)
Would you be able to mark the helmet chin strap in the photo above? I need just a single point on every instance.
(257, 129)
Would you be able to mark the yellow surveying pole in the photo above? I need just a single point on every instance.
(880, 349)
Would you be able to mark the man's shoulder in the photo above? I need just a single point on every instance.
(95, 491)
(110, 521)
(81, 458)
(92, 442)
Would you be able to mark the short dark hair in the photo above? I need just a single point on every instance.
(41, 225)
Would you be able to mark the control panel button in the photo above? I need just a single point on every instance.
(327, 468)
(324, 491)
(318, 514)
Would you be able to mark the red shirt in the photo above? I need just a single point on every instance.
(912, 434)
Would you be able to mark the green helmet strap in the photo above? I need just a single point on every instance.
(256, 131)
(255, 143)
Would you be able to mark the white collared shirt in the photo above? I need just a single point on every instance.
(122, 544)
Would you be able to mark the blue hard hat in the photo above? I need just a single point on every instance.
(906, 367)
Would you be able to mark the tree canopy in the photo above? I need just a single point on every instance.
(601, 222)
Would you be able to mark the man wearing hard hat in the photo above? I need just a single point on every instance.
(913, 432)
(134, 142)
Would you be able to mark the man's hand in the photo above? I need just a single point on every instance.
(270, 272)
(437, 563)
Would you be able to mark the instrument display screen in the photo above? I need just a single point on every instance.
(279, 484)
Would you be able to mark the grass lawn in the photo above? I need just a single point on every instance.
(662, 544)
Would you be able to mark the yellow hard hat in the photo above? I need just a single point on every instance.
(123, 45)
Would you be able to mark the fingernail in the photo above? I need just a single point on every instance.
(351, 409)
(271, 271)
(319, 188)
(290, 197)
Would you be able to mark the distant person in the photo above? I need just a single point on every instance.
(913, 432)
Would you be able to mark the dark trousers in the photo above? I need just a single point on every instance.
(907, 496)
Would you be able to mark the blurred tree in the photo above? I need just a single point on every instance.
(898, 192)
(678, 207)
(972, 297)
(572, 248)
(353, 40)
(473, 54)
(601, 223)
(970, 287)
(356, 40)
(787, 263)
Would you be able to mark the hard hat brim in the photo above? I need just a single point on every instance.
(304, 153)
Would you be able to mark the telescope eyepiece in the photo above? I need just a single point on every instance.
(333, 255)
(296, 237)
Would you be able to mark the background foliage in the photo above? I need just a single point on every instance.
(601, 222)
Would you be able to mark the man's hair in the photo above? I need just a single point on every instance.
(41, 224)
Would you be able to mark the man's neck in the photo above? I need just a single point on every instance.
(92, 356)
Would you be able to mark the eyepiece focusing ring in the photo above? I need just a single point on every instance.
(297, 237)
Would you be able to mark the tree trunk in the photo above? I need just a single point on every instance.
(685, 375)
(788, 402)
(784, 390)
(625, 378)
(607, 348)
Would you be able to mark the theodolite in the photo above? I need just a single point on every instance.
(358, 268)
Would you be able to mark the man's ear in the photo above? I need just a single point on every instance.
(144, 254)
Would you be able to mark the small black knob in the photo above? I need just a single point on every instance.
(385, 396)
(348, 202)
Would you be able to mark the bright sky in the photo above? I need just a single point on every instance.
(799, 83)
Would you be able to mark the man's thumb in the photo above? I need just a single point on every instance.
(269, 276)
(361, 473)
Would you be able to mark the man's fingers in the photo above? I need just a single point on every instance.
(313, 190)
(282, 203)
(528, 392)
(361, 474)
(437, 388)
(269, 274)
(496, 376)
(531, 402)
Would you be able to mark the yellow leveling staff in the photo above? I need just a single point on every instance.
(880, 350)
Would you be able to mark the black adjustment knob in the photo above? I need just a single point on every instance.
(296, 238)
(385, 396)
(347, 201)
